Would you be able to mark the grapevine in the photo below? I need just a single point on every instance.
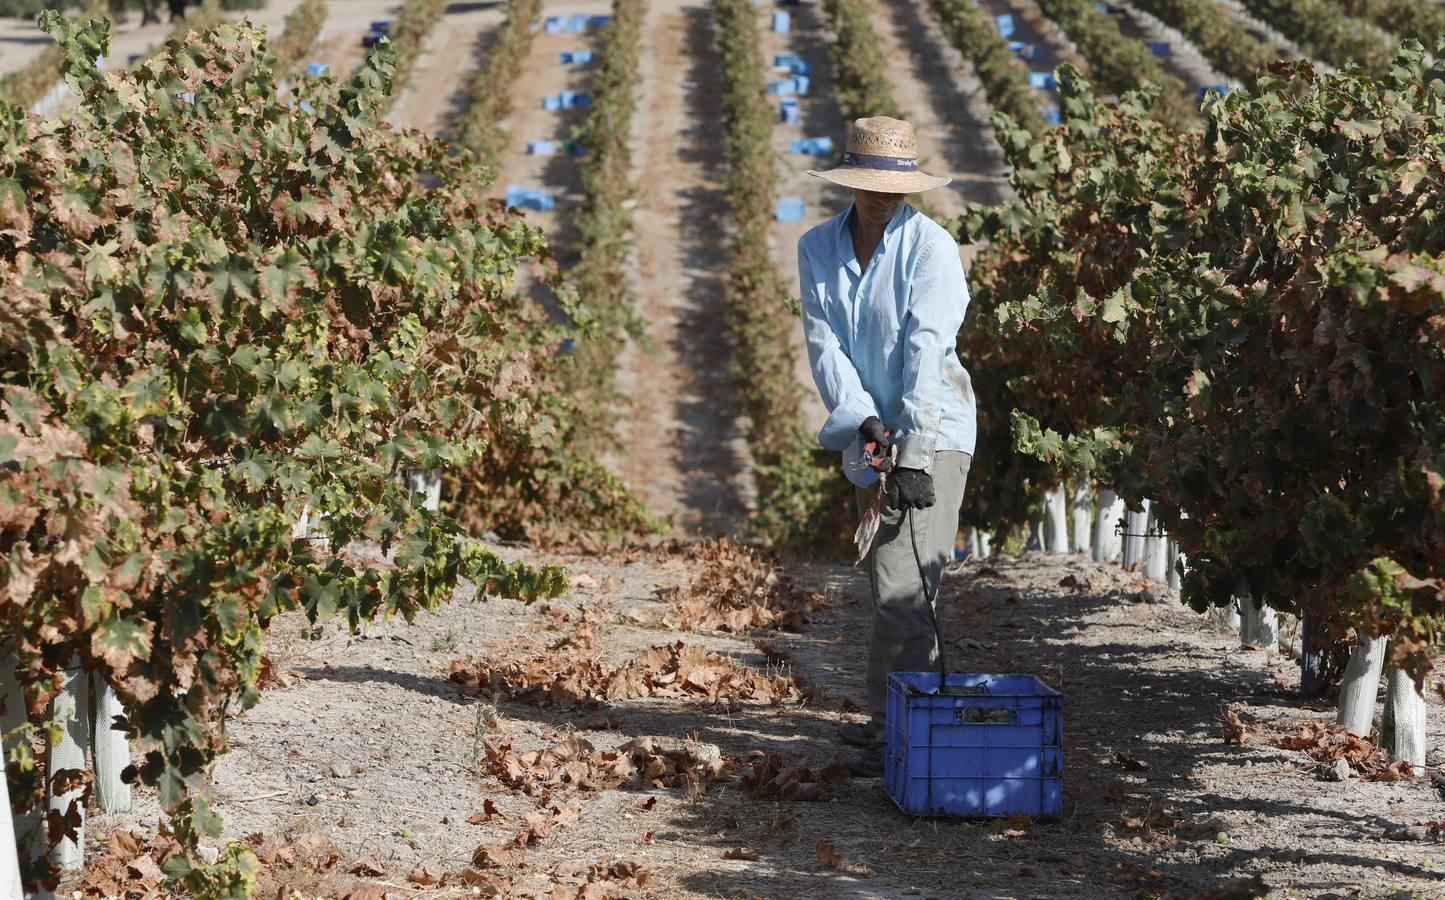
(302, 26)
(188, 356)
(478, 128)
(1253, 339)
(1323, 31)
(1004, 78)
(801, 497)
(1223, 40)
(1119, 63)
(859, 81)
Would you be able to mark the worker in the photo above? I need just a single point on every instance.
(178, 9)
(884, 296)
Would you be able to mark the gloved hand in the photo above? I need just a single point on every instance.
(876, 441)
(910, 488)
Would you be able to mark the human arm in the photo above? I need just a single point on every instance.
(837, 379)
(938, 299)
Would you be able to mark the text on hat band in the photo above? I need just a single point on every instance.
(887, 163)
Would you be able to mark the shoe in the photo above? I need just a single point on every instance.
(859, 734)
(866, 763)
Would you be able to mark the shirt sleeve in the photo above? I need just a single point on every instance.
(938, 299)
(833, 372)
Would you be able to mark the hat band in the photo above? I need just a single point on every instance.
(886, 163)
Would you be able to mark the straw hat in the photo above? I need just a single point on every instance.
(881, 155)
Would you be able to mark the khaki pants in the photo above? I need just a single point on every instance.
(903, 638)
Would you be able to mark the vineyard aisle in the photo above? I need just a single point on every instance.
(683, 451)
(364, 748)
(443, 75)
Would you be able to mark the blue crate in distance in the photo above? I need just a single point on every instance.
(814, 146)
(1043, 81)
(983, 746)
(793, 63)
(1023, 50)
(551, 103)
(541, 148)
(577, 23)
(1159, 48)
(552, 25)
(788, 112)
(789, 210)
(1050, 114)
(576, 57)
(1005, 25)
(1204, 93)
(782, 21)
(317, 69)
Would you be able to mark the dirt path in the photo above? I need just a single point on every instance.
(366, 748)
(688, 460)
(442, 78)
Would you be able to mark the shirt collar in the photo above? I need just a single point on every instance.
(844, 240)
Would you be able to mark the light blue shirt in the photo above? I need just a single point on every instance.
(881, 341)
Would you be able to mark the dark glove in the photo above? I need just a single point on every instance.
(910, 488)
(876, 441)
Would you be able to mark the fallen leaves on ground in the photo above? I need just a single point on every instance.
(1326, 742)
(742, 853)
(599, 880)
(768, 776)
(1129, 763)
(641, 763)
(1154, 826)
(573, 675)
(740, 588)
(129, 864)
(1014, 828)
(828, 855)
(1234, 730)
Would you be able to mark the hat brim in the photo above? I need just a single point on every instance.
(882, 181)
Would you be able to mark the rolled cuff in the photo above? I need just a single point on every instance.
(916, 451)
(842, 426)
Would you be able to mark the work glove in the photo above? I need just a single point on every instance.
(910, 489)
(876, 441)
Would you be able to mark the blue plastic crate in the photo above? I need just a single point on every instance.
(789, 113)
(1043, 81)
(1160, 48)
(551, 103)
(576, 57)
(1023, 50)
(541, 148)
(1203, 93)
(1050, 114)
(793, 63)
(552, 25)
(577, 23)
(599, 21)
(789, 210)
(984, 746)
(1005, 25)
(814, 146)
(782, 21)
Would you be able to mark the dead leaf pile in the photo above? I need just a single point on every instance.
(687, 670)
(641, 763)
(1234, 730)
(130, 866)
(1326, 742)
(573, 677)
(740, 588)
(767, 776)
(579, 881)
